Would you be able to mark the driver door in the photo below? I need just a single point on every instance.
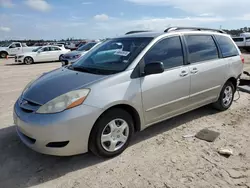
(15, 49)
(165, 95)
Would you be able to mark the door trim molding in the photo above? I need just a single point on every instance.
(168, 103)
(206, 90)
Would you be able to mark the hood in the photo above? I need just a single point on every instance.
(72, 53)
(3, 48)
(58, 82)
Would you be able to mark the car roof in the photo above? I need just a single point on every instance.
(143, 34)
(49, 46)
(157, 34)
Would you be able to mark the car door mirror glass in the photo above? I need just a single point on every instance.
(153, 68)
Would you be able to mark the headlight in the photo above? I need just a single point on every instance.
(76, 56)
(20, 56)
(65, 101)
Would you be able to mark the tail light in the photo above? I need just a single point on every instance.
(242, 58)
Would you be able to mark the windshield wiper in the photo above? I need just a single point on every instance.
(86, 69)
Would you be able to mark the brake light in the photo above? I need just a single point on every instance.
(242, 58)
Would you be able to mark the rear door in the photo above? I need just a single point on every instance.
(166, 94)
(55, 52)
(207, 69)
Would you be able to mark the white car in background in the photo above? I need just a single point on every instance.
(42, 54)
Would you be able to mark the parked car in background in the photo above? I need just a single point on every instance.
(243, 41)
(41, 54)
(14, 48)
(72, 57)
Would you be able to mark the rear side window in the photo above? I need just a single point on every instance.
(226, 45)
(168, 51)
(240, 39)
(201, 48)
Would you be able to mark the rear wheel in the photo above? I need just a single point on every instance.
(28, 60)
(112, 133)
(3, 54)
(226, 97)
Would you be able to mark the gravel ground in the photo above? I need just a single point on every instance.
(157, 157)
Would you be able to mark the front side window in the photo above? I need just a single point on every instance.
(168, 51)
(18, 45)
(13, 46)
(226, 45)
(201, 48)
(45, 49)
(106, 59)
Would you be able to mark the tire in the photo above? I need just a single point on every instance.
(106, 143)
(226, 97)
(60, 57)
(3, 54)
(28, 60)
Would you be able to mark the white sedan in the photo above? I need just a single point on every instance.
(41, 54)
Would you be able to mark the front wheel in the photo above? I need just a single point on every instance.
(112, 133)
(226, 97)
(28, 60)
(60, 57)
(3, 54)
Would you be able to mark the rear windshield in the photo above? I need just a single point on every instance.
(228, 48)
(240, 39)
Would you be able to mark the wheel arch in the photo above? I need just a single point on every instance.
(27, 57)
(3, 51)
(233, 80)
(128, 108)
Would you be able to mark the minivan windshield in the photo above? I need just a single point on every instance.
(86, 47)
(112, 56)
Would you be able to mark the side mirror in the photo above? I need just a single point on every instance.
(153, 68)
(11, 47)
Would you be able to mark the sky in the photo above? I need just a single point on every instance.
(96, 19)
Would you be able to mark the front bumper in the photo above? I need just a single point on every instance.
(69, 61)
(19, 59)
(62, 134)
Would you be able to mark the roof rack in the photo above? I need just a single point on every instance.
(132, 32)
(193, 28)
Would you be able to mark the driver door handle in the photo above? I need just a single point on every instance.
(183, 73)
(194, 70)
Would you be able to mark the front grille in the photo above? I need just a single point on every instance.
(28, 106)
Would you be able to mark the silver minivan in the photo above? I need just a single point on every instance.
(99, 102)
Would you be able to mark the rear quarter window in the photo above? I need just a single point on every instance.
(227, 47)
(240, 39)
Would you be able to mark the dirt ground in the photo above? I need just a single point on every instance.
(158, 157)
